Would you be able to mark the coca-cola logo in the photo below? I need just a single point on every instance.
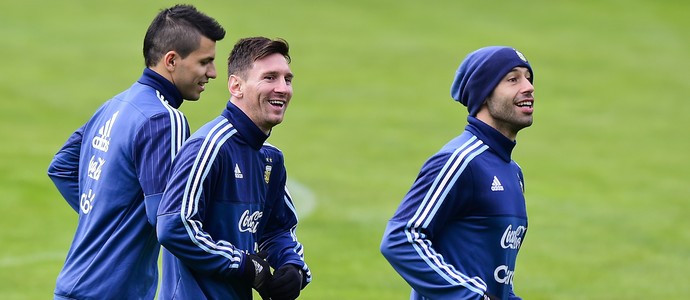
(250, 221)
(513, 238)
(504, 275)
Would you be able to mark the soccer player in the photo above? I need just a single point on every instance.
(226, 214)
(112, 170)
(457, 232)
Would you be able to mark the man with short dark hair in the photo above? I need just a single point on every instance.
(226, 216)
(112, 170)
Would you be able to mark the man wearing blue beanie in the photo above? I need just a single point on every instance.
(457, 232)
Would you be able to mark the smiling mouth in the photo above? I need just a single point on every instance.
(526, 103)
(277, 103)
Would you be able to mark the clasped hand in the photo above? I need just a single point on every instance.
(284, 284)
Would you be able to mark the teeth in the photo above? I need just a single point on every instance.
(525, 104)
(276, 102)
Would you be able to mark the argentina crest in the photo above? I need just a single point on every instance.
(267, 173)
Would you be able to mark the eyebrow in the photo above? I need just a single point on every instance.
(289, 74)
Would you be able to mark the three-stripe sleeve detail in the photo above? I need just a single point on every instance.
(298, 249)
(178, 125)
(210, 147)
(430, 205)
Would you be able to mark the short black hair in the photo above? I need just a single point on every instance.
(248, 50)
(179, 29)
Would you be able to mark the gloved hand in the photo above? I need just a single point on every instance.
(258, 272)
(286, 283)
(488, 296)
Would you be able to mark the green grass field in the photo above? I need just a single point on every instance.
(606, 162)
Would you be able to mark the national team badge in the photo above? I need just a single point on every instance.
(267, 173)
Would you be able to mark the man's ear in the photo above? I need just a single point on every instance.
(235, 85)
(169, 60)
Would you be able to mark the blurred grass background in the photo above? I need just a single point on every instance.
(606, 162)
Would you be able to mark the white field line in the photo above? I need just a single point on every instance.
(303, 198)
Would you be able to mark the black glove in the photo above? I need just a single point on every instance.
(488, 296)
(258, 272)
(286, 283)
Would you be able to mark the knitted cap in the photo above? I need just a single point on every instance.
(480, 73)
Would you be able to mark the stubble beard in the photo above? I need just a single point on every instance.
(506, 117)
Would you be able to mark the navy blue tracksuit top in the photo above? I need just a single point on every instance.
(226, 197)
(457, 232)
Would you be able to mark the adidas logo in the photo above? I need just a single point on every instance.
(496, 185)
(257, 267)
(238, 173)
(102, 140)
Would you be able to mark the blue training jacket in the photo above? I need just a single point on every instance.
(226, 197)
(112, 171)
(457, 232)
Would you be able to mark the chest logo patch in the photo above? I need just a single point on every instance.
(496, 185)
(102, 140)
(249, 221)
(238, 172)
(267, 173)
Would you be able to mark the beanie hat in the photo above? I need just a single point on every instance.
(481, 71)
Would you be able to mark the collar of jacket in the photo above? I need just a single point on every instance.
(498, 142)
(165, 87)
(248, 131)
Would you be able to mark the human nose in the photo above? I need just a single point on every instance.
(528, 87)
(283, 86)
(211, 71)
